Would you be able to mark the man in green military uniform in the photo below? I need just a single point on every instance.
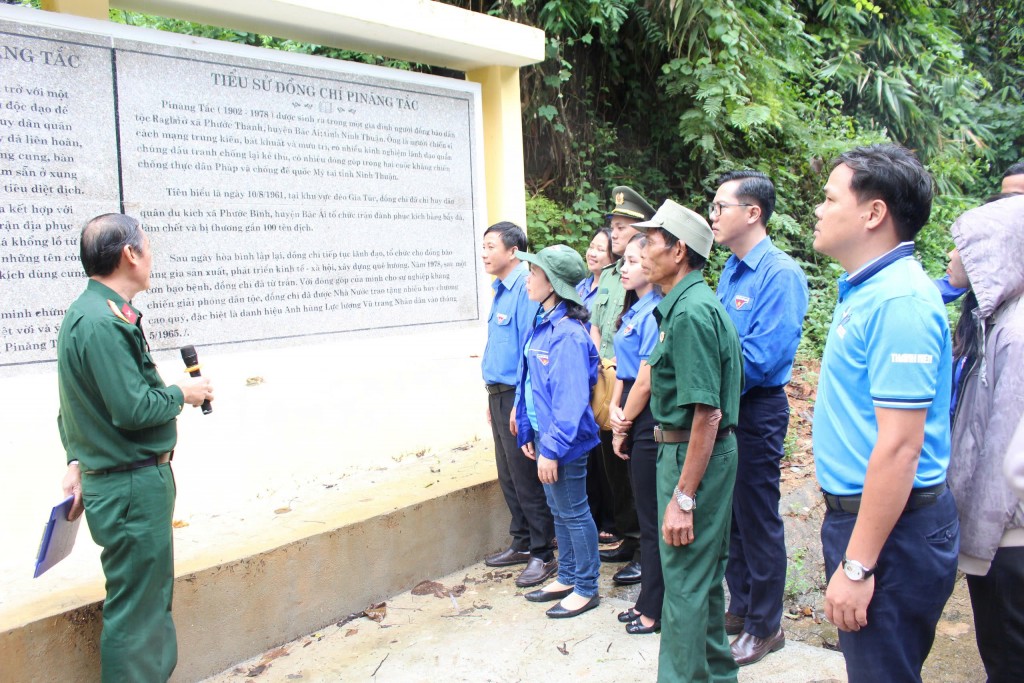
(696, 379)
(629, 208)
(117, 424)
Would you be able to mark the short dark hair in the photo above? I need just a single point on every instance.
(104, 238)
(893, 174)
(1015, 169)
(694, 260)
(511, 234)
(754, 187)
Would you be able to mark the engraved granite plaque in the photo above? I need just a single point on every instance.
(285, 196)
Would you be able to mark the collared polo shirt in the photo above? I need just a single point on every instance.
(511, 317)
(888, 347)
(636, 336)
(114, 407)
(765, 295)
(611, 296)
(697, 358)
(587, 292)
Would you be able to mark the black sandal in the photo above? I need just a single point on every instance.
(636, 627)
(628, 616)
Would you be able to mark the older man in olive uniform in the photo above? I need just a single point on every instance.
(117, 424)
(629, 208)
(696, 378)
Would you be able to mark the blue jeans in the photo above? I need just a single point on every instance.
(578, 561)
(913, 580)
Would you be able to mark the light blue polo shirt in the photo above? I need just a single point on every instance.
(888, 347)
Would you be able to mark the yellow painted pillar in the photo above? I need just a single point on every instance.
(503, 143)
(94, 9)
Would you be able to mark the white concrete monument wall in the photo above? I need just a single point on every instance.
(315, 226)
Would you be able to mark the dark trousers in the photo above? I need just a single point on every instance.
(598, 492)
(998, 602)
(643, 467)
(617, 471)
(913, 580)
(532, 526)
(756, 572)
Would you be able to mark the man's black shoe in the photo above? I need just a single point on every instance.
(628, 575)
(622, 553)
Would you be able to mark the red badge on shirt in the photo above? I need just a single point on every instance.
(740, 301)
(126, 313)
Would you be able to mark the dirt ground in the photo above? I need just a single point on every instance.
(954, 657)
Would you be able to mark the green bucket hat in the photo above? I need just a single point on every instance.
(563, 266)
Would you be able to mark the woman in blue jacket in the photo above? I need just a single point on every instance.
(555, 424)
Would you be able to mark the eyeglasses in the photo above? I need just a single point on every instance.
(715, 208)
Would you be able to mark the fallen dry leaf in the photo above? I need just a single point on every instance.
(256, 671)
(563, 649)
(351, 632)
(281, 511)
(376, 612)
(179, 524)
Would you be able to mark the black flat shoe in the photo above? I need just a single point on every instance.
(636, 627)
(559, 612)
(542, 595)
(628, 616)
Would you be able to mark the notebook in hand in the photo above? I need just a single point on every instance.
(58, 537)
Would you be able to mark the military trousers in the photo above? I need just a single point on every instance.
(129, 517)
(694, 647)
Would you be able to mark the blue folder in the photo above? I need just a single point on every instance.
(58, 536)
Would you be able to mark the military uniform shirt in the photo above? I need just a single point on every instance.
(697, 358)
(114, 407)
(611, 296)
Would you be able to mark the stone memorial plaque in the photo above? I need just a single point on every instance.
(58, 168)
(284, 196)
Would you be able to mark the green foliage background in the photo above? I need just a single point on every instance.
(664, 95)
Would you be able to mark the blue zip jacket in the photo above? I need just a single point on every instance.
(562, 362)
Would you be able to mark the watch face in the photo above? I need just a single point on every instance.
(685, 502)
(853, 571)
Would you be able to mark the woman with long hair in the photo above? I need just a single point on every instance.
(633, 429)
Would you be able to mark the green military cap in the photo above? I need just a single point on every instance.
(563, 266)
(689, 226)
(629, 203)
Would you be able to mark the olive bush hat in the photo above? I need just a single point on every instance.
(688, 226)
(564, 269)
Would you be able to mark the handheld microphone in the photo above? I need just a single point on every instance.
(191, 358)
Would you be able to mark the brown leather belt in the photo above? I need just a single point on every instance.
(499, 388)
(919, 498)
(161, 459)
(683, 435)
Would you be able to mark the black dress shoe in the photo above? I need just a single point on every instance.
(636, 627)
(733, 624)
(628, 575)
(507, 558)
(748, 649)
(537, 572)
(628, 616)
(622, 553)
(559, 612)
(542, 595)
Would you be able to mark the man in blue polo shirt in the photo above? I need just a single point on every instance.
(881, 421)
(512, 314)
(765, 294)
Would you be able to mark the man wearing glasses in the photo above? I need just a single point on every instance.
(765, 294)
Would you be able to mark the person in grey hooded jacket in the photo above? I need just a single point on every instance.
(988, 349)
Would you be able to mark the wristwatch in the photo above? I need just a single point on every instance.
(685, 502)
(855, 571)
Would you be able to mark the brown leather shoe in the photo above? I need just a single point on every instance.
(507, 558)
(537, 572)
(748, 649)
(733, 624)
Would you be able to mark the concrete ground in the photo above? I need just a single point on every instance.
(474, 625)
